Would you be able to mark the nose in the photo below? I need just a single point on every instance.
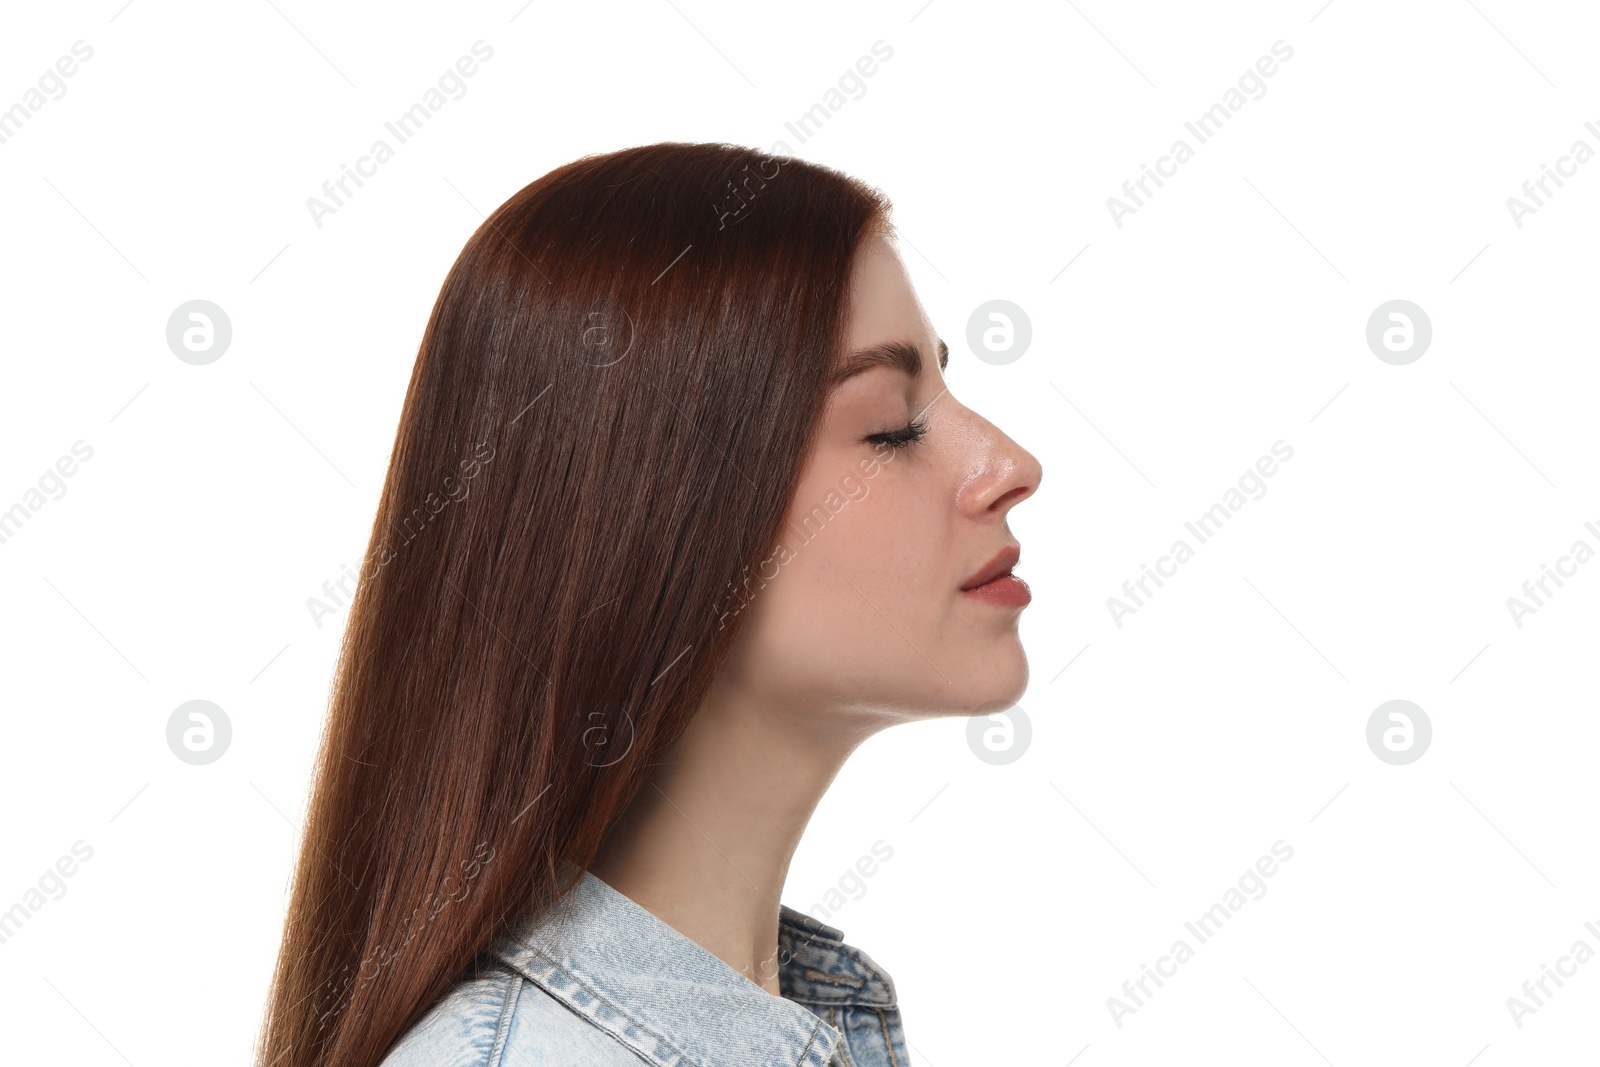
(1001, 474)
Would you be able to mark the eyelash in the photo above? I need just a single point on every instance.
(911, 434)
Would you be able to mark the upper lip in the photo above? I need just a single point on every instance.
(1002, 563)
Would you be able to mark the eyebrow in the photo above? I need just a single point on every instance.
(901, 355)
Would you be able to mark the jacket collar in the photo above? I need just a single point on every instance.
(610, 960)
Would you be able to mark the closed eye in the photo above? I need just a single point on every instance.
(910, 434)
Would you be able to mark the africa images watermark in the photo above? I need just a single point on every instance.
(405, 126)
(1204, 127)
(1203, 528)
(51, 486)
(1580, 553)
(807, 931)
(51, 81)
(852, 884)
(852, 81)
(1207, 926)
(51, 886)
(1580, 153)
(1581, 953)
(454, 490)
(383, 955)
(741, 194)
(811, 526)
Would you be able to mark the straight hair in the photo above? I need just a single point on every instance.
(613, 399)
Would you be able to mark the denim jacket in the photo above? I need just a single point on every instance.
(600, 981)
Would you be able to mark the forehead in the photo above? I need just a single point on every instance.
(884, 306)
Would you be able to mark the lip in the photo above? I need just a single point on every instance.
(994, 582)
(1000, 564)
(1007, 591)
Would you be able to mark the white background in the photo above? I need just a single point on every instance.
(1228, 313)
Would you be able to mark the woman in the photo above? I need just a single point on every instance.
(679, 513)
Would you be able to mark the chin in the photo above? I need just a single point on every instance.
(1001, 681)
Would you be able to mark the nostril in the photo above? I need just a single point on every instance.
(1010, 497)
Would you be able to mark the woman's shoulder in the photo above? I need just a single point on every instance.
(500, 1019)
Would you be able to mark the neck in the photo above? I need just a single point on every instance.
(706, 845)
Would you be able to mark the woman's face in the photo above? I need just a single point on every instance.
(862, 608)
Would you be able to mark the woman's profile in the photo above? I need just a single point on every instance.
(679, 512)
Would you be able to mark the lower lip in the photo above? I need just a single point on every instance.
(1007, 591)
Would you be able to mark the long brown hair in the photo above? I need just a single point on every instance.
(613, 398)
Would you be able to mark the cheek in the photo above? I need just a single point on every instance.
(869, 531)
(863, 569)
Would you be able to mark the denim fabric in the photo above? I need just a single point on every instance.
(599, 981)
